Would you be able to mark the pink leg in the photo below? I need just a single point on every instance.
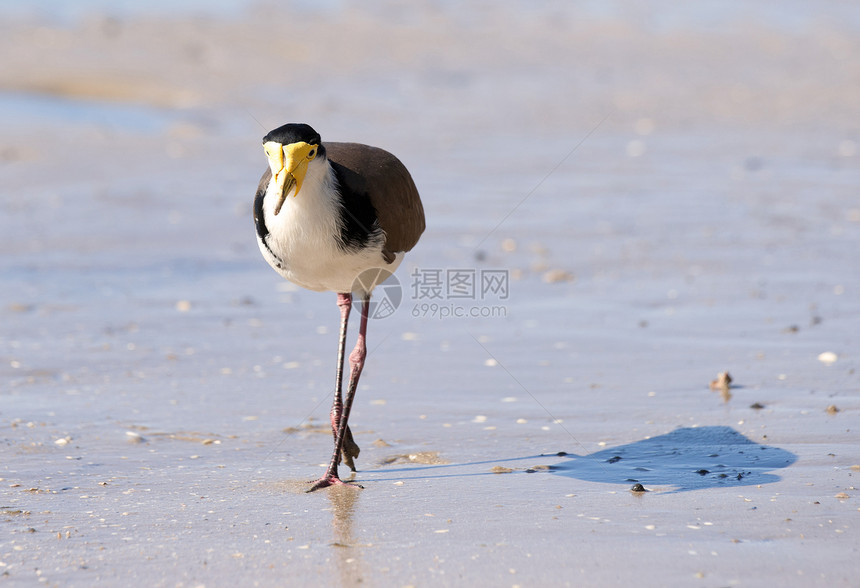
(350, 448)
(340, 411)
(344, 303)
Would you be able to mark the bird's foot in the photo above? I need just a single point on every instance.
(332, 480)
(350, 451)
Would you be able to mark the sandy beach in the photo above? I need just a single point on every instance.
(624, 201)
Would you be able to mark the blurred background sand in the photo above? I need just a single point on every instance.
(673, 193)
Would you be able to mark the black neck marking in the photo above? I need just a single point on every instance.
(359, 223)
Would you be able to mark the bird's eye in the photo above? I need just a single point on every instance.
(312, 154)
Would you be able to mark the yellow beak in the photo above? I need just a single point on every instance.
(289, 164)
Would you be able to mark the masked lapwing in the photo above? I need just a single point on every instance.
(338, 217)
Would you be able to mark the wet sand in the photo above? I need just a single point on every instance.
(669, 195)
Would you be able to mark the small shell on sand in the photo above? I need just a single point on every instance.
(723, 384)
(828, 358)
(557, 275)
(723, 381)
(134, 437)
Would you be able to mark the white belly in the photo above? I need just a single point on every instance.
(338, 271)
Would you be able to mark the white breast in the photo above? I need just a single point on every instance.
(302, 244)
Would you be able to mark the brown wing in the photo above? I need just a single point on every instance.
(390, 188)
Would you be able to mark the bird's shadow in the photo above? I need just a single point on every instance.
(689, 458)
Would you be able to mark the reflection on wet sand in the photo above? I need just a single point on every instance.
(346, 546)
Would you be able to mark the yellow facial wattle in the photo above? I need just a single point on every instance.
(289, 165)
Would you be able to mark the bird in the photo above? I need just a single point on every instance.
(336, 217)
